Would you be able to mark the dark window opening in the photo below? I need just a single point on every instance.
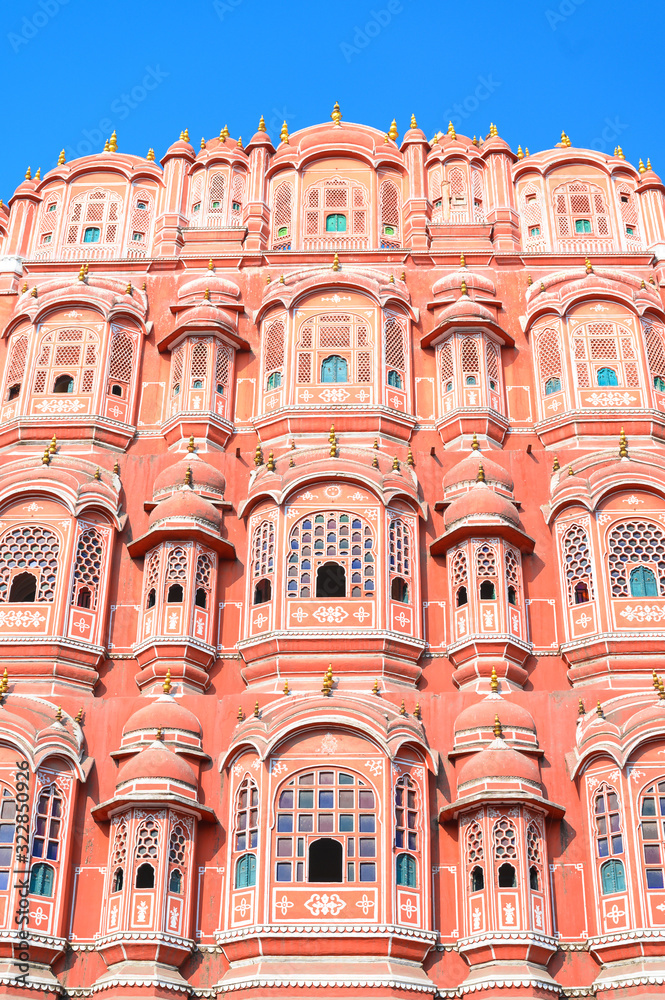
(63, 383)
(507, 877)
(487, 591)
(116, 390)
(331, 580)
(84, 598)
(477, 879)
(399, 590)
(462, 597)
(197, 384)
(534, 878)
(581, 593)
(118, 880)
(274, 381)
(175, 881)
(262, 592)
(145, 877)
(395, 379)
(201, 598)
(470, 380)
(151, 599)
(512, 595)
(325, 861)
(14, 391)
(23, 589)
(175, 594)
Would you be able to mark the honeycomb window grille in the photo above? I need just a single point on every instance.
(628, 208)
(246, 823)
(652, 834)
(533, 845)
(338, 341)
(88, 566)
(532, 214)
(177, 565)
(49, 218)
(475, 851)
(332, 537)
(512, 567)
(493, 363)
(121, 362)
(177, 845)
(282, 216)
(204, 568)
(406, 814)
(505, 840)
(340, 199)
(550, 369)
(446, 367)
(470, 362)
(16, 367)
(70, 352)
(605, 354)
(485, 561)
(177, 362)
(577, 564)
(216, 197)
(31, 549)
(119, 855)
(654, 338)
(273, 354)
(223, 364)
(141, 216)
(633, 544)
(238, 199)
(577, 203)
(47, 834)
(199, 365)
(153, 565)
(399, 548)
(389, 215)
(147, 839)
(395, 352)
(98, 209)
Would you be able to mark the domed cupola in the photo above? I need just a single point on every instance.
(481, 511)
(476, 726)
(203, 478)
(179, 727)
(464, 474)
(499, 769)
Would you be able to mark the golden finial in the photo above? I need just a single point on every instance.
(189, 478)
(640, 166)
(648, 163)
(474, 443)
(128, 290)
(190, 444)
(239, 143)
(107, 148)
(375, 461)
(395, 464)
(580, 707)
(267, 279)
(599, 710)
(565, 141)
(403, 276)
(391, 279)
(402, 710)
(474, 141)
(392, 131)
(284, 134)
(615, 150)
(542, 286)
(661, 691)
(203, 143)
(258, 455)
(206, 294)
(336, 114)
(529, 279)
(256, 709)
(335, 263)
(86, 266)
(159, 735)
(464, 289)
(588, 265)
(79, 716)
(623, 444)
(185, 134)
(211, 266)
(654, 679)
(526, 151)
(332, 441)
(286, 686)
(46, 457)
(376, 443)
(414, 123)
(82, 272)
(61, 158)
(113, 142)
(53, 445)
(520, 154)
(293, 444)
(33, 293)
(555, 464)
(58, 714)
(570, 471)
(270, 466)
(451, 131)
(480, 475)
(240, 715)
(116, 467)
(409, 458)
(262, 124)
(643, 285)
(416, 710)
(462, 260)
(619, 153)
(386, 138)
(292, 464)
(28, 174)
(98, 473)
(166, 686)
(493, 131)
(38, 175)
(151, 155)
(25, 287)
(281, 279)
(375, 686)
(494, 681)
(498, 731)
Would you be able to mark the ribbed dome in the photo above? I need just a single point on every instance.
(465, 308)
(205, 478)
(453, 281)
(499, 761)
(466, 471)
(211, 281)
(482, 716)
(480, 501)
(157, 762)
(166, 713)
(185, 503)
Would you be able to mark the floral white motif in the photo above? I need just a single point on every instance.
(308, 496)
(336, 298)
(593, 782)
(277, 767)
(643, 613)
(334, 395)
(174, 917)
(366, 904)
(402, 619)
(32, 507)
(74, 314)
(260, 620)
(272, 402)
(173, 621)
(509, 913)
(461, 626)
(324, 904)
(38, 916)
(256, 764)
(328, 745)
(635, 775)
(81, 625)
(141, 912)
(20, 619)
(396, 769)
(361, 614)
(371, 513)
(242, 907)
(200, 626)
(614, 775)
(60, 406)
(598, 308)
(538, 915)
(515, 622)
(603, 518)
(632, 500)
(555, 405)
(611, 399)
(306, 395)
(375, 766)
(330, 615)
(488, 618)
(583, 620)
(615, 914)
(359, 496)
(362, 395)
(197, 402)
(291, 512)
(284, 905)
(661, 907)
(408, 909)
(396, 401)
(237, 770)
(147, 627)
(477, 917)
(299, 614)
(113, 916)
(333, 492)
(473, 396)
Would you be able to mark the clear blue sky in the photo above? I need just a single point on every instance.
(71, 71)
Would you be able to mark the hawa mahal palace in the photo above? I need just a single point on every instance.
(332, 571)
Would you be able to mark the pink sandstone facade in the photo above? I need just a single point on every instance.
(332, 571)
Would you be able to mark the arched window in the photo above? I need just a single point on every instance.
(245, 871)
(334, 369)
(470, 362)
(67, 362)
(512, 567)
(406, 814)
(119, 855)
(486, 571)
(552, 385)
(395, 379)
(534, 856)
(175, 881)
(605, 355)
(550, 370)
(607, 819)
(507, 876)
(577, 565)
(247, 816)
(274, 381)
(335, 205)
(46, 838)
(176, 575)
(606, 376)
(121, 364)
(118, 880)
(336, 538)
(405, 870)
(273, 354)
(324, 817)
(282, 216)
(330, 580)
(580, 209)
(29, 549)
(632, 544)
(88, 568)
(23, 589)
(145, 876)
(203, 580)
(399, 559)
(7, 835)
(475, 856)
(461, 597)
(458, 573)
(399, 590)
(63, 383)
(389, 212)
(613, 877)
(652, 834)
(91, 234)
(396, 348)
(654, 338)
(487, 591)
(477, 879)
(263, 561)
(94, 217)
(505, 850)
(175, 594)
(262, 592)
(444, 353)
(147, 843)
(41, 879)
(16, 367)
(643, 582)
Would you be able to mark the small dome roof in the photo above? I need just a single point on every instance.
(165, 713)
(453, 282)
(481, 501)
(157, 762)
(465, 309)
(466, 471)
(205, 478)
(185, 503)
(211, 281)
(482, 716)
(500, 761)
